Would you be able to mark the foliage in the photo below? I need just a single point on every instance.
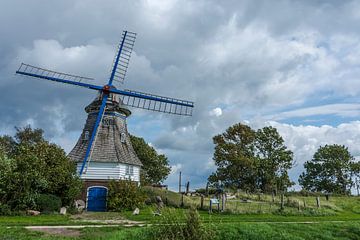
(5, 210)
(155, 167)
(48, 203)
(330, 170)
(274, 160)
(124, 195)
(252, 160)
(33, 167)
(173, 227)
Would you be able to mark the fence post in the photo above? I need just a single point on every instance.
(299, 207)
(318, 202)
(282, 201)
(201, 201)
(182, 200)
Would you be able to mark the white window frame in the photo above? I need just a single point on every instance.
(129, 170)
(123, 137)
(86, 135)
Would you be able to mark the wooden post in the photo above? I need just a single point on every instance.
(282, 201)
(180, 182)
(187, 187)
(318, 202)
(273, 196)
(299, 208)
(182, 200)
(304, 204)
(222, 202)
(201, 201)
(210, 207)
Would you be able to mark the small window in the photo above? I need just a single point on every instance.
(86, 135)
(122, 137)
(129, 170)
(107, 121)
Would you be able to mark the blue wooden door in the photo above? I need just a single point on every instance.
(97, 199)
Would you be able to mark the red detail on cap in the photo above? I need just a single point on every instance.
(106, 89)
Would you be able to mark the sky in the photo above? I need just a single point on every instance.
(293, 65)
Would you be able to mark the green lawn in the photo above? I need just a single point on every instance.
(326, 231)
(338, 218)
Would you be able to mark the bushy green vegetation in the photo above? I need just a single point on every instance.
(331, 170)
(252, 160)
(48, 203)
(124, 195)
(31, 166)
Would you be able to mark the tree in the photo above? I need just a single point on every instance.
(36, 167)
(155, 167)
(274, 160)
(330, 170)
(252, 160)
(235, 158)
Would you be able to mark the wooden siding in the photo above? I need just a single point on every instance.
(107, 171)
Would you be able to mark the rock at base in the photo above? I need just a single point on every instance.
(63, 211)
(136, 211)
(33, 212)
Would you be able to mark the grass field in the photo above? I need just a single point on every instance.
(338, 218)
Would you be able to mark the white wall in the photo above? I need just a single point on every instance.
(105, 171)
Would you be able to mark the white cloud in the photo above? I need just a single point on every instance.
(344, 110)
(217, 112)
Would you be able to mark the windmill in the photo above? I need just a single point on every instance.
(105, 138)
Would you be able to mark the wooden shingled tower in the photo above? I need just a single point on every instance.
(103, 151)
(112, 156)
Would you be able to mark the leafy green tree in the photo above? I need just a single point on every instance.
(35, 167)
(155, 167)
(274, 160)
(235, 157)
(330, 170)
(252, 160)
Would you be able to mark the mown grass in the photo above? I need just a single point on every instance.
(228, 231)
(338, 218)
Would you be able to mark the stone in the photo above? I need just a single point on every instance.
(158, 199)
(136, 211)
(63, 211)
(33, 212)
(80, 205)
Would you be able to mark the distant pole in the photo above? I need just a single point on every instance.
(318, 202)
(202, 202)
(180, 182)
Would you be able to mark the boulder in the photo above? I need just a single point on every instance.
(33, 212)
(136, 211)
(63, 211)
(80, 205)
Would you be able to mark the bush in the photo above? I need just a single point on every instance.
(124, 195)
(169, 198)
(173, 227)
(5, 210)
(48, 203)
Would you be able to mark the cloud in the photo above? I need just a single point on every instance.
(343, 110)
(238, 60)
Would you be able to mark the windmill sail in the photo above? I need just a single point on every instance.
(122, 57)
(155, 102)
(42, 73)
